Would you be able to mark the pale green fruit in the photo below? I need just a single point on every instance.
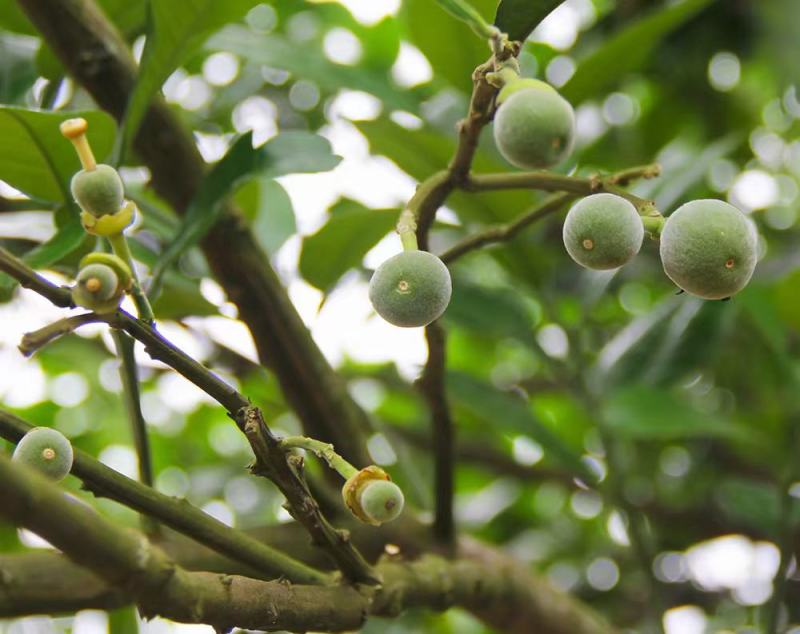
(534, 127)
(603, 231)
(97, 288)
(98, 191)
(709, 248)
(381, 501)
(411, 289)
(46, 450)
(522, 83)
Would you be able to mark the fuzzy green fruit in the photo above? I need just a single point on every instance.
(46, 450)
(98, 191)
(709, 249)
(603, 231)
(381, 501)
(97, 288)
(411, 289)
(534, 127)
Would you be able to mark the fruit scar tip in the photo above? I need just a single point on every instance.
(74, 128)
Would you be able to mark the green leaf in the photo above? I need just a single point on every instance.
(43, 162)
(655, 414)
(512, 414)
(176, 28)
(123, 621)
(626, 51)
(518, 18)
(278, 51)
(450, 45)
(287, 153)
(269, 209)
(464, 11)
(342, 242)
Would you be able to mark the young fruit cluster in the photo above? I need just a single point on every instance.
(47, 451)
(411, 289)
(372, 497)
(534, 126)
(101, 282)
(708, 247)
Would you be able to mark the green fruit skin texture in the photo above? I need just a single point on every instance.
(610, 223)
(709, 248)
(382, 501)
(109, 282)
(30, 451)
(534, 128)
(98, 191)
(522, 83)
(411, 289)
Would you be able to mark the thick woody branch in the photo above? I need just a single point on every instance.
(493, 587)
(284, 475)
(99, 59)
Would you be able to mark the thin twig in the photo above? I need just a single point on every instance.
(129, 376)
(33, 341)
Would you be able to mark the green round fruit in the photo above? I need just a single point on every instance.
(46, 450)
(534, 128)
(603, 231)
(411, 289)
(98, 191)
(709, 248)
(381, 501)
(97, 288)
(522, 84)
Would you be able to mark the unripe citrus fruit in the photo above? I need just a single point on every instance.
(97, 288)
(603, 231)
(98, 191)
(411, 289)
(534, 127)
(46, 450)
(709, 248)
(381, 501)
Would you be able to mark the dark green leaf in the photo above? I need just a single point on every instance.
(518, 18)
(627, 50)
(290, 152)
(43, 162)
(342, 242)
(649, 413)
(512, 414)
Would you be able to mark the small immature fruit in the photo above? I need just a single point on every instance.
(46, 450)
(603, 231)
(98, 191)
(534, 127)
(97, 288)
(372, 497)
(709, 248)
(521, 84)
(382, 501)
(411, 289)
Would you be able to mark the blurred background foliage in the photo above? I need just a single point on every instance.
(688, 410)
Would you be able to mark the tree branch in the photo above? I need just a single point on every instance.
(495, 588)
(175, 513)
(99, 59)
(273, 463)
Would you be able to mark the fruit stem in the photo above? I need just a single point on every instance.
(321, 450)
(119, 244)
(653, 225)
(75, 131)
(407, 228)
